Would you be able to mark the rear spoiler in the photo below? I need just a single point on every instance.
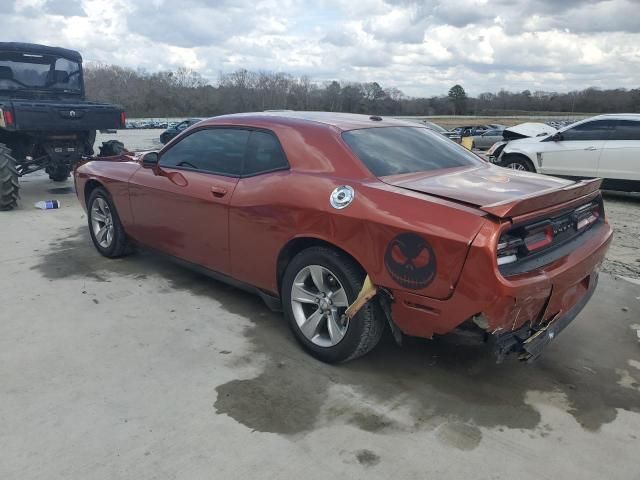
(538, 201)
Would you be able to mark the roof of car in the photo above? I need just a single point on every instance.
(342, 121)
(617, 116)
(41, 49)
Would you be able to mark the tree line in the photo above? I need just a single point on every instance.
(185, 92)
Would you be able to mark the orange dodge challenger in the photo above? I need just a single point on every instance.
(352, 223)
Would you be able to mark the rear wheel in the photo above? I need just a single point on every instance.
(518, 162)
(9, 186)
(105, 228)
(318, 286)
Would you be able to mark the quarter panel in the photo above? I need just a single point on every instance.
(268, 211)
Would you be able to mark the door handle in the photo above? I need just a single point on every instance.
(218, 192)
(591, 149)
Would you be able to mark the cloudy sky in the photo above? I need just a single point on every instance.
(423, 48)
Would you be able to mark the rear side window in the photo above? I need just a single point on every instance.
(396, 150)
(264, 154)
(215, 150)
(626, 130)
(596, 130)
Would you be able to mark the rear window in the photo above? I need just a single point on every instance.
(395, 150)
(626, 130)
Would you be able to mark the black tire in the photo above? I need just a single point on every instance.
(111, 148)
(364, 330)
(59, 173)
(119, 244)
(9, 186)
(517, 162)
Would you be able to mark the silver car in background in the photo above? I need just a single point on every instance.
(487, 139)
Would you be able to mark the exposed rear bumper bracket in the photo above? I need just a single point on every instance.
(530, 342)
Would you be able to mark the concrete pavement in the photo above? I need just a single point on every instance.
(138, 368)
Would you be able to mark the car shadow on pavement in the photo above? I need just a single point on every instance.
(450, 380)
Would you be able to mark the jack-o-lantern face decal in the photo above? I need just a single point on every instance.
(410, 261)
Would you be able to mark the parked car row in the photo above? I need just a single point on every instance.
(177, 128)
(141, 124)
(443, 131)
(138, 124)
(473, 130)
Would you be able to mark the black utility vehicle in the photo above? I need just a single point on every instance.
(45, 120)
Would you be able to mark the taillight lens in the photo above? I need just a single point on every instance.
(588, 214)
(508, 249)
(539, 237)
(6, 118)
(123, 119)
(529, 239)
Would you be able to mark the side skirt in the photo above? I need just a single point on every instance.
(272, 301)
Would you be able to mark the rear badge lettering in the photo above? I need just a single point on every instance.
(410, 261)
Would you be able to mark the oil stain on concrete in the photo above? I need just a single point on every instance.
(367, 458)
(448, 384)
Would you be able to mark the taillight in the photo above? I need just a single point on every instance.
(587, 214)
(6, 118)
(123, 119)
(524, 240)
(508, 249)
(538, 238)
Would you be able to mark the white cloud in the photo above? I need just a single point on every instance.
(420, 47)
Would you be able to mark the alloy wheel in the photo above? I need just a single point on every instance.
(516, 166)
(102, 222)
(318, 301)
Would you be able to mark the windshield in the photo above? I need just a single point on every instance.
(29, 70)
(396, 150)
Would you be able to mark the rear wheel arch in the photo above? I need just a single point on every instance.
(321, 328)
(297, 245)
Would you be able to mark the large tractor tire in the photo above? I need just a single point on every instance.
(8, 180)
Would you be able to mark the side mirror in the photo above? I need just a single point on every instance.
(557, 137)
(150, 160)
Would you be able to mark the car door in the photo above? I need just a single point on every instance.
(620, 158)
(260, 216)
(181, 206)
(574, 152)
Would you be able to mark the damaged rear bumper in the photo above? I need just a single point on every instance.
(529, 342)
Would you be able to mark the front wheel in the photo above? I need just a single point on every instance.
(318, 286)
(105, 228)
(518, 162)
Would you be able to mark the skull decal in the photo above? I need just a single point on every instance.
(410, 261)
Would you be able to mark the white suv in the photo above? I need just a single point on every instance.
(606, 146)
